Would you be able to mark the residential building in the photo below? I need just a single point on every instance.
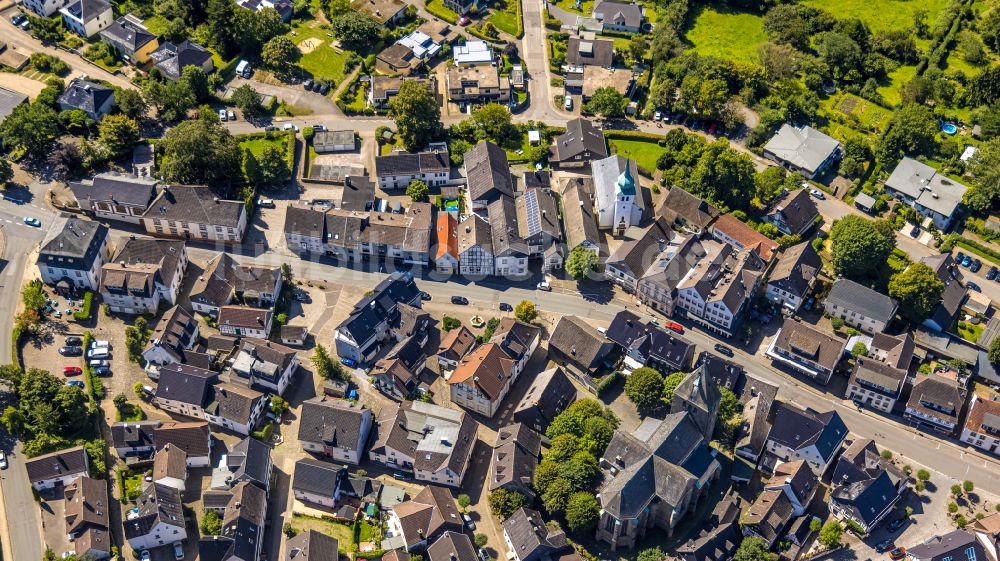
(931, 194)
(549, 394)
(473, 52)
(588, 51)
(393, 377)
(537, 214)
(397, 170)
(530, 539)
(368, 326)
(263, 363)
(866, 486)
(731, 230)
(482, 379)
(757, 398)
(805, 434)
(786, 495)
(294, 335)
(133, 439)
(475, 247)
(936, 402)
(649, 345)
(461, 7)
(170, 467)
(157, 520)
(670, 452)
(515, 457)
(407, 54)
(687, 211)
(235, 408)
(87, 522)
(618, 197)
(406, 238)
(477, 83)
(335, 429)
(957, 545)
(9, 99)
(719, 537)
(793, 277)
(384, 11)
(878, 378)
(242, 527)
(793, 212)
(194, 212)
(285, 8)
(519, 340)
(56, 469)
(173, 336)
(488, 174)
(194, 438)
(699, 396)
(982, 424)
(244, 321)
(334, 141)
(452, 546)
(807, 350)
(311, 546)
(114, 196)
(446, 252)
(633, 257)
(433, 442)
(317, 482)
(803, 149)
(143, 275)
(454, 345)
(419, 521)
(184, 389)
(619, 16)
(87, 17)
(172, 59)
(579, 222)
(716, 290)
(248, 461)
(96, 100)
(225, 281)
(384, 88)
(72, 253)
(943, 317)
(578, 346)
(860, 306)
(44, 8)
(510, 250)
(581, 144)
(536, 179)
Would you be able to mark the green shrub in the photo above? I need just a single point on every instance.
(607, 382)
(84, 313)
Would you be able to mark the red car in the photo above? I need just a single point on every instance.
(464, 20)
(675, 327)
(898, 553)
(72, 371)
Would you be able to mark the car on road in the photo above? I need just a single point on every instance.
(545, 286)
(460, 300)
(178, 550)
(3, 460)
(817, 193)
(71, 350)
(73, 341)
(72, 371)
(992, 273)
(424, 296)
(32, 221)
(973, 286)
(469, 523)
(898, 553)
(723, 350)
(568, 103)
(505, 307)
(76, 383)
(349, 362)
(290, 127)
(319, 127)
(884, 545)
(966, 261)
(401, 475)
(674, 326)
(976, 265)
(896, 524)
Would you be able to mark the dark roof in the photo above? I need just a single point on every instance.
(185, 383)
(194, 204)
(88, 97)
(579, 342)
(635, 256)
(864, 482)
(408, 427)
(243, 520)
(157, 503)
(594, 52)
(74, 239)
(797, 267)
(515, 337)
(538, 216)
(548, 395)
(224, 277)
(233, 402)
(801, 339)
(128, 33)
(537, 179)
(316, 477)
(488, 172)
(953, 545)
(402, 163)
(430, 513)
(797, 208)
(379, 306)
(171, 59)
(515, 457)
(682, 207)
(799, 428)
(529, 535)
(169, 461)
(946, 395)
(57, 464)
(581, 136)
(719, 538)
(650, 341)
(333, 422)
(311, 546)
(859, 298)
(358, 194)
(769, 514)
(456, 343)
(578, 213)
(121, 189)
(134, 434)
(87, 10)
(244, 317)
(452, 546)
(193, 438)
(9, 100)
(504, 228)
(628, 13)
(250, 460)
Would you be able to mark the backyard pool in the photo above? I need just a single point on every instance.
(949, 128)
(451, 205)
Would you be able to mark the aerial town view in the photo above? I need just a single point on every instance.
(500, 280)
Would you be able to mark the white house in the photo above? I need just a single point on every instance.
(174, 334)
(317, 482)
(931, 194)
(808, 435)
(398, 170)
(475, 247)
(265, 363)
(73, 253)
(143, 274)
(45, 8)
(87, 17)
(158, 520)
(170, 467)
(244, 321)
(982, 425)
(235, 407)
(196, 213)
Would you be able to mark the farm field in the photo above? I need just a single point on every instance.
(725, 33)
(881, 15)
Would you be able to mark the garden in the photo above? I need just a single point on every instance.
(348, 536)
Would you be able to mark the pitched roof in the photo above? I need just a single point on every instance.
(769, 514)
(580, 342)
(193, 438)
(796, 268)
(88, 97)
(250, 460)
(129, 190)
(984, 413)
(805, 148)
(71, 237)
(797, 208)
(316, 477)
(488, 369)
(447, 236)
(952, 545)
(125, 31)
(504, 229)
(474, 231)
(488, 172)
(456, 343)
(157, 503)
(404, 163)
(134, 434)
(635, 256)
(435, 437)
(311, 546)
(379, 306)
(333, 422)
(515, 337)
(538, 215)
(515, 456)
(244, 317)
(801, 339)
(746, 236)
(185, 383)
(550, 393)
(529, 535)
(926, 186)
(243, 520)
(452, 546)
(171, 59)
(595, 52)
(410, 231)
(233, 402)
(863, 300)
(621, 13)
(581, 136)
(224, 277)
(194, 204)
(429, 513)
(578, 213)
(170, 461)
(946, 395)
(86, 504)
(681, 206)
(800, 428)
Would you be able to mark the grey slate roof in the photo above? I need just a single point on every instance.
(87, 10)
(250, 460)
(452, 546)
(805, 148)
(515, 457)
(193, 438)
(682, 207)
(158, 503)
(171, 59)
(579, 342)
(57, 464)
(127, 33)
(531, 537)
(579, 221)
(9, 100)
(75, 239)
(926, 186)
(412, 164)
(194, 203)
(635, 256)
(797, 267)
(953, 545)
(474, 231)
(88, 97)
(581, 137)
(594, 52)
(504, 229)
(331, 421)
(859, 298)
(185, 383)
(379, 306)
(548, 395)
(311, 546)
(316, 477)
(488, 172)
(800, 428)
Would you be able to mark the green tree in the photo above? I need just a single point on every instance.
(860, 246)
(448, 323)
(968, 486)
(582, 512)
(830, 534)
(637, 47)
(248, 101)
(984, 193)
(118, 133)
(495, 121)
(556, 495)
(480, 540)
(545, 474)
(139, 390)
(729, 404)
(723, 176)
(581, 262)
(120, 401)
(923, 475)
(131, 103)
(278, 406)
(197, 81)
(254, 29)
(918, 290)
(651, 554)
(172, 100)
(417, 191)
(280, 54)
(769, 183)
(33, 296)
(199, 152)
(336, 7)
(48, 30)
(33, 128)
(754, 549)
(417, 115)
(644, 388)
(607, 102)
(526, 311)
(911, 132)
(211, 523)
(859, 350)
(464, 501)
(670, 384)
(324, 365)
(273, 168)
(356, 30)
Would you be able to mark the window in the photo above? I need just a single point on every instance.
(971, 553)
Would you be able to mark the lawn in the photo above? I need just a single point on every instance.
(257, 145)
(322, 61)
(131, 412)
(970, 332)
(343, 533)
(883, 15)
(644, 152)
(506, 18)
(438, 8)
(133, 486)
(897, 79)
(366, 531)
(586, 6)
(868, 114)
(725, 33)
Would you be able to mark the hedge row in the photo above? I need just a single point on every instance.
(633, 135)
(94, 385)
(607, 382)
(979, 249)
(16, 340)
(84, 313)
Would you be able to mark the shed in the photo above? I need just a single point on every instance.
(865, 202)
(333, 141)
(534, 137)
(335, 388)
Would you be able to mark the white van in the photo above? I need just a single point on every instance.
(243, 69)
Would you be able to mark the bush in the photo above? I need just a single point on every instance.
(449, 323)
(211, 523)
(84, 313)
(923, 475)
(837, 323)
(607, 382)
(831, 533)
(644, 388)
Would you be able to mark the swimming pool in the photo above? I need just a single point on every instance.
(451, 205)
(949, 128)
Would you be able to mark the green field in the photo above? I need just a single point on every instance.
(586, 6)
(644, 152)
(506, 18)
(881, 15)
(343, 533)
(438, 8)
(897, 79)
(726, 34)
(257, 145)
(322, 61)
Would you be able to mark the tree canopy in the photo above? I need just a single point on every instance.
(417, 115)
(918, 290)
(33, 128)
(356, 30)
(199, 152)
(644, 386)
(608, 103)
(581, 262)
(860, 246)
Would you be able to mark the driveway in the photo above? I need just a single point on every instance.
(292, 95)
(833, 208)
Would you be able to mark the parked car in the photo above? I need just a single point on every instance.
(349, 362)
(884, 545)
(915, 231)
(319, 127)
(967, 261)
(72, 371)
(71, 350)
(178, 550)
(97, 362)
(460, 300)
(992, 273)
(896, 524)
(3, 460)
(484, 555)
(464, 20)
(469, 523)
(817, 193)
(401, 475)
(545, 286)
(230, 115)
(505, 307)
(324, 88)
(307, 85)
(568, 103)
(266, 203)
(222, 115)
(100, 344)
(723, 350)
(898, 553)
(103, 371)
(973, 286)
(32, 221)
(658, 115)
(674, 326)
(959, 257)
(976, 265)
(144, 555)
(424, 296)
(77, 341)
(290, 127)
(98, 353)
(76, 383)
(17, 19)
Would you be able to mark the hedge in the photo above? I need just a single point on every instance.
(16, 340)
(84, 313)
(633, 135)
(94, 385)
(979, 249)
(607, 382)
